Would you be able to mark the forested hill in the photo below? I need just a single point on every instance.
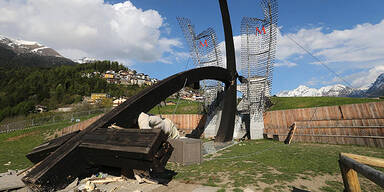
(23, 87)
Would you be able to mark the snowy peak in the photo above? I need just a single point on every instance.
(85, 60)
(27, 47)
(379, 83)
(337, 90)
(377, 88)
(29, 53)
(302, 91)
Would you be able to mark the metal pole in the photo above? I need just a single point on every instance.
(269, 50)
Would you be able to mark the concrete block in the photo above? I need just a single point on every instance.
(256, 127)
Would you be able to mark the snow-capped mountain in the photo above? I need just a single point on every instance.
(337, 90)
(28, 53)
(25, 47)
(85, 60)
(377, 88)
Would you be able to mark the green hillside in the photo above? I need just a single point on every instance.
(281, 103)
(23, 87)
(183, 107)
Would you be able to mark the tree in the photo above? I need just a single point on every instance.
(59, 93)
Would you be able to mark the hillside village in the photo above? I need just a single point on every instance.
(128, 77)
(131, 77)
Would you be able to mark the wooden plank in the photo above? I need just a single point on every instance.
(290, 134)
(129, 140)
(372, 161)
(122, 159)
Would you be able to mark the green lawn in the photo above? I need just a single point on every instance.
(281, 103)
(266, 165)
(15, 145)
(184, 107)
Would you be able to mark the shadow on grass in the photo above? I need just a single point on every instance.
(298, 190)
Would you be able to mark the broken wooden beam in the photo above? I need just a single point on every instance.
(292, 130)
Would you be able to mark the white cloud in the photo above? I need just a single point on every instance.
(285, 63)
(358, 48)
(237, 45)
(359, 44)
(365, 78)
(92, 28)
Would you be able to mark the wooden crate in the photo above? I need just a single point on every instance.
(186, 151)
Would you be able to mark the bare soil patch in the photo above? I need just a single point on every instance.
(23, 135)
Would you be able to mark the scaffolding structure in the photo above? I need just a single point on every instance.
(258, 47)
(204, 51)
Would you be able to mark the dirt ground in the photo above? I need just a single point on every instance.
(22, 136)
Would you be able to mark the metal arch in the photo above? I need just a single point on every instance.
(125, 114)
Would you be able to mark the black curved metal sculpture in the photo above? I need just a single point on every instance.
(125, 114)
(227, 122)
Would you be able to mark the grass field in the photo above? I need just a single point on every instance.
(266, 165)
(15, 145)
(262, 165)
(281, 103)
(183, 107)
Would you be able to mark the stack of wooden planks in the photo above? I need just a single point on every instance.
(123, 148)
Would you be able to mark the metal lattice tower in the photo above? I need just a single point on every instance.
(204, 51)
(258, 47)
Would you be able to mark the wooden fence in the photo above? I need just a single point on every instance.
(351, 164)
(184, 122)
(78, 126)
(360, 124)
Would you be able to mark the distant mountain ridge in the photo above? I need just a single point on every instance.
(377, 88)
(338, 90)
(23, 47)
(28, 53)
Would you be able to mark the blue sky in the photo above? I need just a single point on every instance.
(144, 34)
(294, 15)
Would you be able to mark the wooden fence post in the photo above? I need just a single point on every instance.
(350, 179)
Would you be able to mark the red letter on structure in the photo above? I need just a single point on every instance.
(258, 30)
(205, 43)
